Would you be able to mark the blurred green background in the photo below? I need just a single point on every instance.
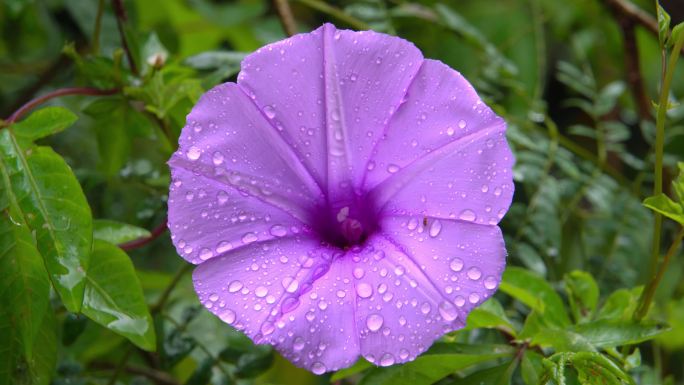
(574, 80)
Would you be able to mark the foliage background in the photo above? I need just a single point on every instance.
(574, 79)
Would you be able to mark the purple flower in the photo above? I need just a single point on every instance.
(342, 199)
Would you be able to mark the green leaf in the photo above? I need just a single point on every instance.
(15, 368)
(440, 361)
(678, 183)
(490, 314)
(663, 25)
(116, 232)
(52, 202)
(535, 292)
(43, 122)
(620, 305)
(254, 362)
(531, 367)
(677, 33)
(496, 375)
(583, 294)
(202, 375)
(662, 204)
(597, 335)
(24, 283)
(358, 367)
(114, 297)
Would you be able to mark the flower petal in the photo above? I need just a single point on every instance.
(331, 92)
(234, 179)
(444, 153)
(414, 286)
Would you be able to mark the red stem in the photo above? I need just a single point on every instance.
(18, 114)
(140, 242)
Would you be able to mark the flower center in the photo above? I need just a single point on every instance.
(347, 225)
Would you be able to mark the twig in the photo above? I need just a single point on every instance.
(98, 27)
(285, 16)
(157, 307)
(18, 114)
(156, 376)
(121, 18)
(140, 242)
(632, 65)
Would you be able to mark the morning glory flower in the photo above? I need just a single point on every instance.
(342, 199)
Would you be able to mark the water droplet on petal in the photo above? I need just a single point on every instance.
(425, 308)
(447, 311)
(193, 153)
(490, 282)
(205, 254)
(474, 273)
(374, 322)
(290, 284)
(217, 158)
(450, 131)
(403, 354)
(213, 297)
(392, 168)
(298, 344)
(223, 246)
(456, 264)
(270, 112)
(462, 124)
(261, 291)
(467, 215)
(249, 238)
(228, 316)
(386, 360)
(222, 197)
(435, 228)
(234, 286)
(474, 298)
(364, 290)
(267, 328)
(358, 272)
(278, 231)
(318, 368)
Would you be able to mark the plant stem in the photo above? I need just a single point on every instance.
(120, 12)
(336, 13)
(18, 114)
(157, 307)
(661, 117)
(649, 291)
(140, 242)
(285, 16)
(98, 27)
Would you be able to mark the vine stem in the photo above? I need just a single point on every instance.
(140, 242)
(668, 73)
(649, 291)
(98, 27)
(285, 16)
(18, 114)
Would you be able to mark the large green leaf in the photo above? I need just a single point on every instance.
(15, 368)
(597, 335)
(535, 292)
(44, 122)
(440, 361)
(52, 202)
(583, 294)
(116, 232)
(24, 283)
(490, 314)
(114, 297)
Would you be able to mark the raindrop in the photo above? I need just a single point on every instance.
(462, 124)
(267, 328)
(189, 196)
(261, 291)
(364, 290)
(223, 246)
(213, 297)
(448, 311)
(374, 322)
(290, 284)
(298, 344)
(234, 286)
(474, 298)
(249, 238)
(435, 228)
(318, 368)
(474, 273)
(403, 354)
(270, 112)
(217, 158)
(392, 168)
(467, 215)
(205, 254)
(456, 264)
(278, 231)
(228, 316)
(193, 153)
(358, 272)
(425, 308)
(222, 197)
(490, 282)
(459, 301)
(450, 131)
(386, 360)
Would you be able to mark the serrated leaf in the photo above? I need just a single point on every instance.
(43, 122)
(116, 232)
(535, 292)
(24, 283)
(662, 204)
(441, 360)
(114, 297)
(54, 206)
